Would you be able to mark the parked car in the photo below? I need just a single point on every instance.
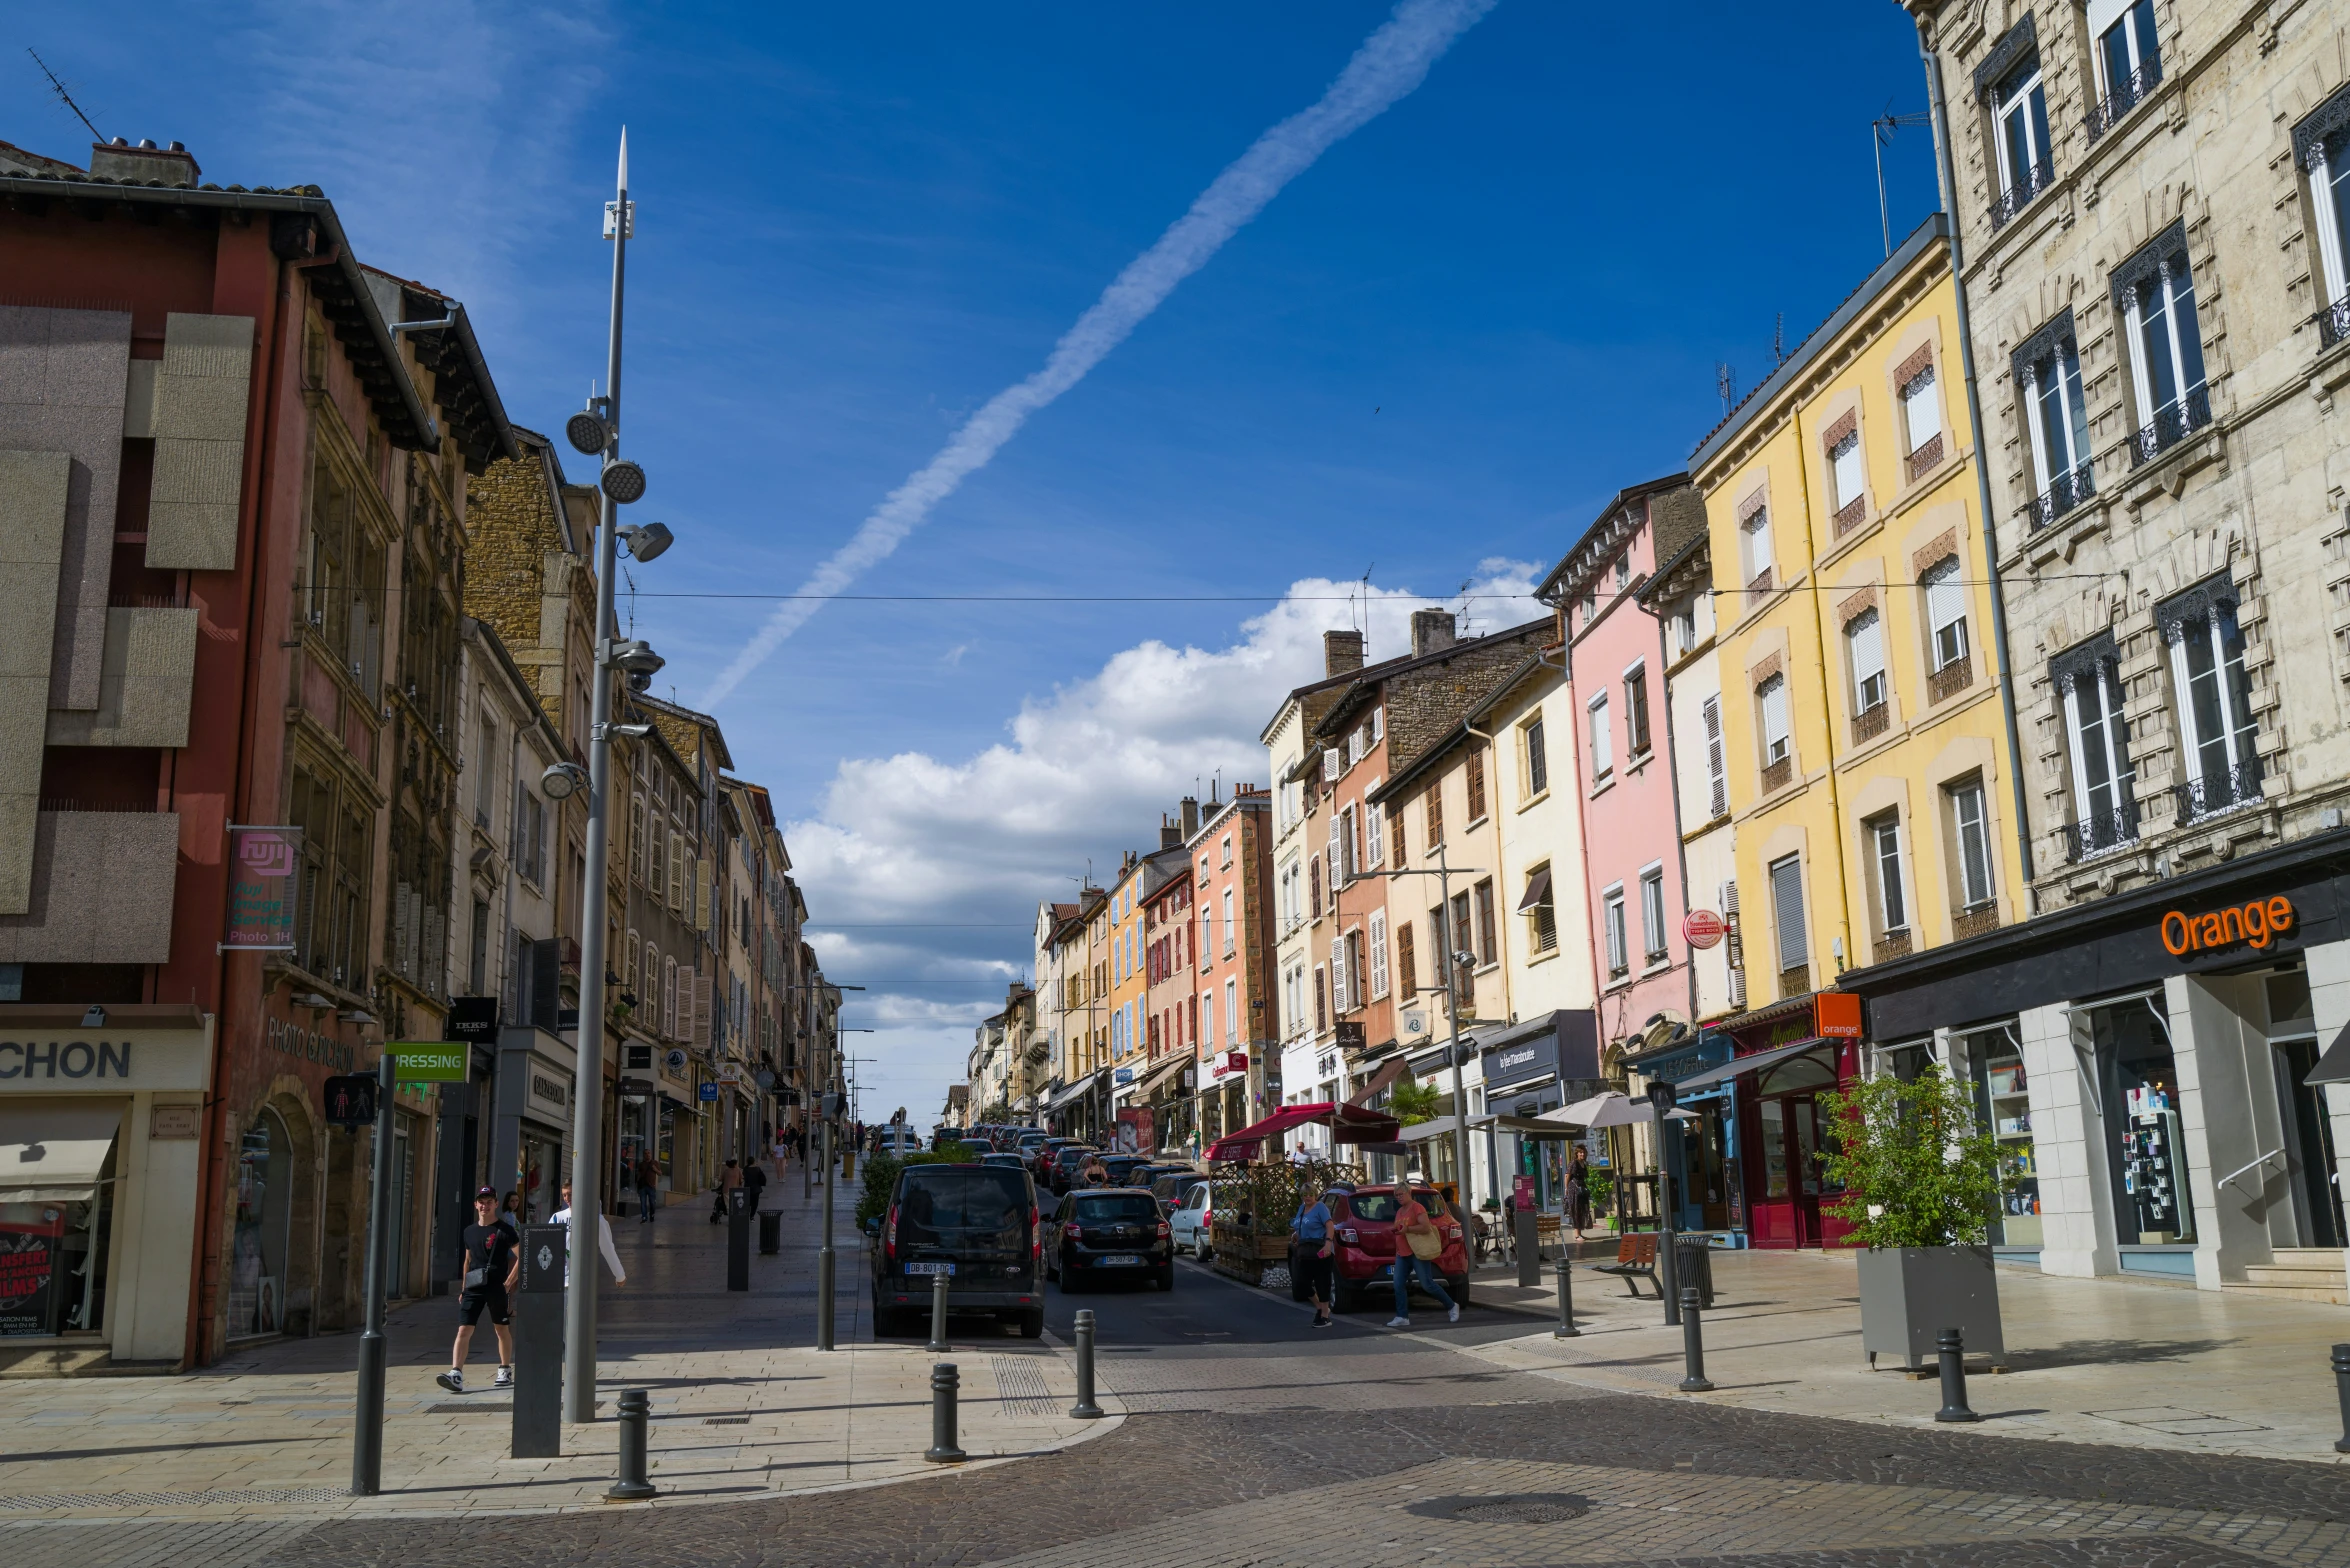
(897, 1138)
(1060, 1165)
(977, 1224)
(1363, 1222)
(1105, 1233)
(1187, 1224)
(1169, 1186)
(1123, 1169)
(1010, 1162)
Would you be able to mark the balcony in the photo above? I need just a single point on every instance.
(1760, 582)
(2224, 790)
(1922, 460)
(1980, 920)
(1851, 515)
(2099, 832)
(2333, 322)
(2172, 425)
(2030, 183)
(1892, 945)
(1871, 722)
(1778, 775)
(1953, 678)
(2064, 492)
(2126, 95)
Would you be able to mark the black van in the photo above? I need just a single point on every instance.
(976, 1224)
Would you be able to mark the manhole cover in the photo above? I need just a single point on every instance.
(1518, 1508)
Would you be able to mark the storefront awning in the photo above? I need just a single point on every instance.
(1389, 1071)
(1347, 1124)
(1747, 1064)
(1076, 1091)
(1156, 1079)
(1433, 1127)
(2334, 1066)
(1526, 1127)
(53, 1154)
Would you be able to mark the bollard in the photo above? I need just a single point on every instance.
(938, 1315)
(770, 1232)
(944, 1381)
(1566, 1328)
(1954, 1406)
(1525, 1241)
(1085, 1409)
(2342, 1390)
(636, 1406)
(1692, 1345)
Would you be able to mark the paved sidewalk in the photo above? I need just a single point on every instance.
(2093, 1361)
(740, 1408)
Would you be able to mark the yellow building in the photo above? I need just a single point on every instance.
(1867, 747)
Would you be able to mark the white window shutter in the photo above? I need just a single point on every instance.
(1338, 975)
(1330, 767)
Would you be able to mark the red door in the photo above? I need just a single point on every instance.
(1786, 1130)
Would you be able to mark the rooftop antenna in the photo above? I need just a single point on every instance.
(63, 96)
(629, 577)
(1881, 131)
(1779, 340)
(1726, 383)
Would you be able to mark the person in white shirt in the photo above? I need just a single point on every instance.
(562, 1216)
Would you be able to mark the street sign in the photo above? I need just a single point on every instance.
(1703, 928)
(473, 1019)
(350, 1102)
(709, 1091)
(431, 1062)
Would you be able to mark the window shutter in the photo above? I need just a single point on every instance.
(1476, 776)
(1787, 911)
(1330, 767)
(1407, 972)
(1717, 766)
(1378, 953)
(1338, 999)
(546, 983)
(1945, 600)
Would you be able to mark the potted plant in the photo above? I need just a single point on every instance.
(1922, 1182)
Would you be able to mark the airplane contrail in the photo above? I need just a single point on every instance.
(1389, 65)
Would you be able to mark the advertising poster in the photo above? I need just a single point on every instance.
(1134, 1134)
(264, 866)
(28, 1268)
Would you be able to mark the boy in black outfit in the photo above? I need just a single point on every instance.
(492, 1263)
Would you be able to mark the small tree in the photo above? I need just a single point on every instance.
(1916, 1168)
(1413, 1102)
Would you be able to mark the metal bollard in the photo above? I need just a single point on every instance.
(1085, 1409)
(636, 1407)
(1566, 1328)
(2342, 1389)
(938, 1315)
(1692, 1344)
(945, 1381)
(1952, 1344)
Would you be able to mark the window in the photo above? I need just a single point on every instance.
(1488, 939)
(2322, 144)
(1378, 725)
(485, 790)
(1231, 928)
(1921, 418)
(1537, 759)
(1232, 1034)
(1864, 650)
(2105, 810)
(1611, 920)
(2129, 60)
(1358, 969)
(1636, 710)
(669, 1019)
(636, 837)
(1717, 760)
(1623, 572)
(1314, 885)
(1473, 774)
(1374, 831)
(1945, 612)
(1457, 933)
(1435, 813)
(1787, 912)
(1540, 908)
(1603, 759)
(1771, 697)
(1754, 547)
(1844, 474)
(676, 870)
(1971, 829)
(530, 846)
(1883, 835)
(1227, 849)
(2048, 373)
(1652, 914)
(1407, 970)
(1590, 604)
(2020, 108)
(1321, 999)
(2157, 295)
(1378, 935)
(2216, 732)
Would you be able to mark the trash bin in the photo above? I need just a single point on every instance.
(1693, 1264)
(770, 1231)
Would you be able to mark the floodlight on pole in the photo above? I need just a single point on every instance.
(647, 541)
(563, 780)
(587, 432)
(623, 481)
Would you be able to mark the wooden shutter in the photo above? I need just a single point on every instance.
(1407, 974)
(1435, 814)
(701, 1025)
(1476, 771)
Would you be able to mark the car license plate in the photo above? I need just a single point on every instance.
(1123, 1260)
(930, 1268)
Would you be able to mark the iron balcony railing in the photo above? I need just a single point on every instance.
(2215, 792)
(1951, 679)
(2124, 96)
(2333, 322)
(1922, 460)
(2029, 183)
(1871, 722)
(1974, 922)
(2064, 492)
(2173, 423)
(2100, 831)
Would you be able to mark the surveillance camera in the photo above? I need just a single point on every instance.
(636, 656)
(640, 681)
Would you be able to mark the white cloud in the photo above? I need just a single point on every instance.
(934, 867)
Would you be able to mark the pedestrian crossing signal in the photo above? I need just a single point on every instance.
(350, 1102)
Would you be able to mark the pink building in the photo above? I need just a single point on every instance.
(1631, 823)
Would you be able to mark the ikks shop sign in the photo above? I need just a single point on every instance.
(2256, 924)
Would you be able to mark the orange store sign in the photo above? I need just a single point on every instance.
(2259, 922)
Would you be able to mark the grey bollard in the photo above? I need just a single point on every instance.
(1952, 1345)
(636, 1408)
(938, 1315)
(2342, 1390)
(1692, 1345)
(770, 1232)
(1525, 1241)
(945, 1382)
(1085, 1409)
(1566, 1328)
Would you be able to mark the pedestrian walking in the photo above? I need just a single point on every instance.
(728, 1179)
(562, 1216)
(492, 1261)
(1579, 1190)
(648, 1186)
(755, 1182)
(1416, 1247)
(1314, 1257)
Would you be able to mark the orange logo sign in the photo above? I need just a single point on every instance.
(2257, 922)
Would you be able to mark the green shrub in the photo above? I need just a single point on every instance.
(881, 1175)
(1917, 1168)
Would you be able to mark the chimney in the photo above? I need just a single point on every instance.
(1171, 833)
(1342, 652)
(1432, 631)
(144, 164)
(1190, 817)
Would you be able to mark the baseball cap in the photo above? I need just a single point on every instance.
(487, 1192)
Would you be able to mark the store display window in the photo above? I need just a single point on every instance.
(2003, 1102)
(2137, 1079)
(259, 1246)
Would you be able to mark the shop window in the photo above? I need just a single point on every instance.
(260, 1245)
(2217, 738)
(55, 1235)
(2003, 1104)
(2138, 1094)
(2311, 1163)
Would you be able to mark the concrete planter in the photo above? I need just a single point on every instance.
(1909, 1295)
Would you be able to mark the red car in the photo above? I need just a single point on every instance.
(1363, 1223)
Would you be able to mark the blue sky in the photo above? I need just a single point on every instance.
(1429, 359)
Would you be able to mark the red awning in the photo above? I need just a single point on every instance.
(1347, 1124)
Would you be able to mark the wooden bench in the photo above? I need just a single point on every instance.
(1635, 1257)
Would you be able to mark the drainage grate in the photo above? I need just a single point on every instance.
(1517, 1508)
(243, 1499)
(726, 1420)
